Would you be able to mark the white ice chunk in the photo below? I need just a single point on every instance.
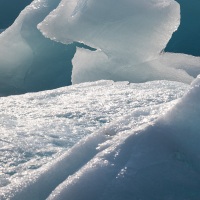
(129, 35)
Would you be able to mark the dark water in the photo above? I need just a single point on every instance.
(9, 10)
(187, 38)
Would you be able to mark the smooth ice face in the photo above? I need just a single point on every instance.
(37, 127)
(129, 37)
(28, 61)
(129, 28)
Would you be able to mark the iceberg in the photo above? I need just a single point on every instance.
(151, 152)
(129, 36)
(28, 61)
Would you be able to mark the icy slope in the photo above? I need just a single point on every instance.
(9, 10)
(38, 127)
(160, 161)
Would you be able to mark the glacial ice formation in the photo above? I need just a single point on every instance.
(151, 152)
(129, 37)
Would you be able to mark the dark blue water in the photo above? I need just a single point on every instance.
(51, 67)
(9, 10)
(187, 38)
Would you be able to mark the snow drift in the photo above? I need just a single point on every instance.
(9, 11)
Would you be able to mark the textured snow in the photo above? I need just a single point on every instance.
(38, 127)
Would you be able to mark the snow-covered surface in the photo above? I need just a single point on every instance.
(39, 127)
(129, 36)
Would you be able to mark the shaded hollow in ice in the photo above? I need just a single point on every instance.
(28, 60)
(37, 127)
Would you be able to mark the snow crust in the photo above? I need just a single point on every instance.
(85, 120)
(129, 37)
(100, 140)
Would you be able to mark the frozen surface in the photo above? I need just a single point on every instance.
(160, 161)
(38, 127)
(129, 37)
(186, 38)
